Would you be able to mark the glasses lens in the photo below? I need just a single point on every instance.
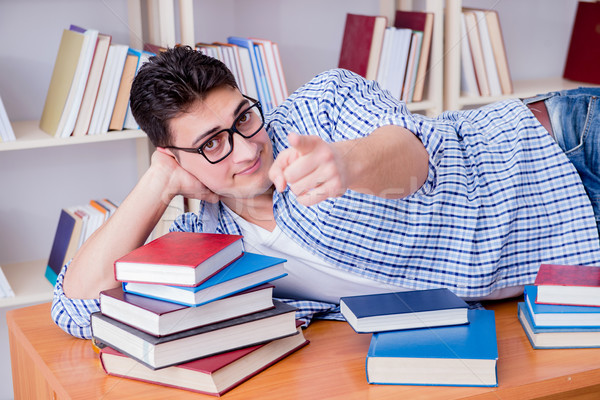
(250, 122)
(217, 147)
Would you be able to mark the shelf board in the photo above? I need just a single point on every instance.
(524, 88)
(28, 282)
(30, 136)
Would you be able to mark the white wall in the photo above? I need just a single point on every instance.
(37, 183)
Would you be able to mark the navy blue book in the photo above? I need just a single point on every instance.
(560, 337)
(554, 315)
(460, 355)
(248, 271)
(403, 310)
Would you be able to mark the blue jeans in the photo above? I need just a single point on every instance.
(575, 118)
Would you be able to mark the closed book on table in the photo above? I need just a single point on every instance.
(554, 315)
(568, 284)
(460, 355)
(179, 258)
(247, 271)
(161, 318)
(213, 375)
(559, 337)
(159, 352)
(404, 310)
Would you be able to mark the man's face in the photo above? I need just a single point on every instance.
(241, 175)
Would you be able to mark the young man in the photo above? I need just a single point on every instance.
(358, 194)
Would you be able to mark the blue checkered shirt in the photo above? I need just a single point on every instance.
(500, 197)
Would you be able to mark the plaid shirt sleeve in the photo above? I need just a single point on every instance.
(72, 315)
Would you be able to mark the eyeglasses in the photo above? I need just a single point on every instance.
(219, 145)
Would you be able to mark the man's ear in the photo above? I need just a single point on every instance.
(168, 152)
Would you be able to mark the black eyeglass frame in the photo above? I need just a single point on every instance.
(230, 131)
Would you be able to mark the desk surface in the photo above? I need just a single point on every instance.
(331, 366)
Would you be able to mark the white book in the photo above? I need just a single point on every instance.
(411, 66)
(6, 130)
(488, 55)
(280, 71)
(382, 73)
(5, 289)
(114, 86)
(101, 105)
(130, 122)
(272, 71)
(246, 68)
(400, 50)
(468, 82)
(69, 115)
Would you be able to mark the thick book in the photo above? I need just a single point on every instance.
(499, 50)
(583, 56)
(362, 42)
(70, 50)
(404, 310)
(423, 22)
(553, 315)
(244, 273)
(159, 352)
(161, 318)
(214, 375)
(568, 284)
(179, 258)
(474, 39)
(557, 337)
(117, 119)
(461, 355)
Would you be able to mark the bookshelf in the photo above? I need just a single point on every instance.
(453, 99)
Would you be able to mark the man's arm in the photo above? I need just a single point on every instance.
(91, 270)
(391, 162)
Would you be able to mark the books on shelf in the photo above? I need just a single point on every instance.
(459, 355)
(557, 337)
(158, 352)
(583, 55)
(554, 315)
(213, 375)
(74, 227)
(568, 284)
(404, 310)
(160, 318)
(179, 258)
(483, 54)
(244, 273)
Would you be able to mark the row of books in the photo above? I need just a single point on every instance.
(90, 84)
(425, 337)
(484, 65)
(7, 134)
(396, 56)
(75, 225)
(194, 312)
(562, 308)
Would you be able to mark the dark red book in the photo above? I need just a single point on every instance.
(361, 44)
(213, 375)
(583, 57)
(568, 284)
(179, 258)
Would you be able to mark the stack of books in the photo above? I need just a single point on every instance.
(396, 56)
(562, 308)
(90, 84)
(425, 337)
(194, 312)
(75, 225)
(484, 65)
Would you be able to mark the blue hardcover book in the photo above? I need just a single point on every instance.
(553, 315)
(246, 272)
(256, 68)
(460, 355)
(403, 310)
(557, 337)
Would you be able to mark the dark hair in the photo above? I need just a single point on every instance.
(169, 83)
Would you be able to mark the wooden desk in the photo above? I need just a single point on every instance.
(46, 362)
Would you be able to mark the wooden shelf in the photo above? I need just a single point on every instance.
(28, 282)
(30, 136)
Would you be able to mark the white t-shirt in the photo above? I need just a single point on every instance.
(311, 278)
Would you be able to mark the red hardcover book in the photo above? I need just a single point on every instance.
(423, 22)
(361, 44)
(211, 375)
(568, 284)
(179, 258)
(583, 57)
